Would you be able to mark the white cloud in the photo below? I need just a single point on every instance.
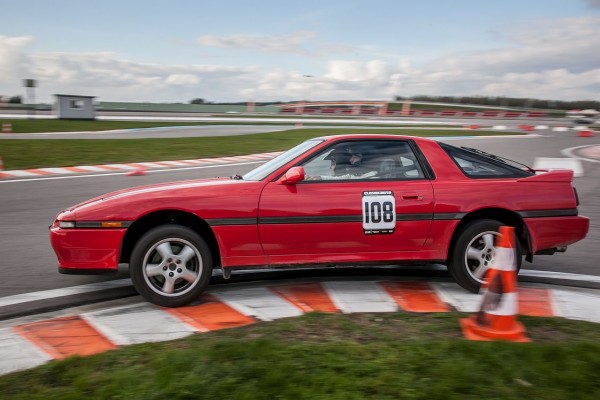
(303, 43)
(551, 84)
(13, 62)
(182, 79)
(112, 79)
(343, 80)
(556, 59)
(283, 85)
(292, 44)
(553, 59)
(352, 71)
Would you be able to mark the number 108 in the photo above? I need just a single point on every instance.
(376, 211)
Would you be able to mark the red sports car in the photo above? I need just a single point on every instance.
(350, 199)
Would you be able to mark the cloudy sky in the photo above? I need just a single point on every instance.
(236, 50)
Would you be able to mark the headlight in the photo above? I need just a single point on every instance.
(66, 224)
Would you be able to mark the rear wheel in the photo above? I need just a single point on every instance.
(170, 265)
(472, 253)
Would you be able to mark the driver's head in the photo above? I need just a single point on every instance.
(340, 159)
(356, 158)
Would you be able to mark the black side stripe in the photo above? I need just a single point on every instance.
(231, 221)
(337, 218)
(413, 217)
(449, 216)
(358, 218)
(310, 219)
(571, 212)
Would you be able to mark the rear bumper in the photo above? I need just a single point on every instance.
(87, 251)
(551, 232)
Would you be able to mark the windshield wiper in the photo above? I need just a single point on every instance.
(236, 177)
(498, 158)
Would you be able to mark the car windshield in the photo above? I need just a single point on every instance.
(266, 169)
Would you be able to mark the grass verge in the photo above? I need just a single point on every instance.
(333, 356)
(56, 125)
(39, 153)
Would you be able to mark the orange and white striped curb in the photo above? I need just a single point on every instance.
(27, 345)
(124, 168)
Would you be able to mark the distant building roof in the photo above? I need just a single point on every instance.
(74, 95)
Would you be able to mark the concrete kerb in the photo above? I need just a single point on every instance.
(127, 168)
(31, 341)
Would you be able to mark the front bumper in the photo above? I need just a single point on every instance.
(87, 251)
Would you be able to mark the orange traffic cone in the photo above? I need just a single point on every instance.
(138, 171)
(496, 319)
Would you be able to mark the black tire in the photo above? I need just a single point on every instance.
(466, 269)
(170, 265)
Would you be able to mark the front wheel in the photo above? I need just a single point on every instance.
(170, 265)
(472, 253)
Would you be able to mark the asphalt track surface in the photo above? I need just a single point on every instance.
(28, 207)
(158, 133)
(167, 116)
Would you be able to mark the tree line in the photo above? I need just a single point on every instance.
(515, 102)
(13, 99)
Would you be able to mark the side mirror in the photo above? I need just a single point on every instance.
(292, 176)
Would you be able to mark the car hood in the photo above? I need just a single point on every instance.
(206, 198)
(153, 189)
(159, 187)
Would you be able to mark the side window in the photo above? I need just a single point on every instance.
(477, 166)
(368, 159)
(76, 104)
(320, 165)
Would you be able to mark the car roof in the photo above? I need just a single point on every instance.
(373, 136)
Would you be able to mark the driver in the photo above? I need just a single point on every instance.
(345, 164)
(340, 161)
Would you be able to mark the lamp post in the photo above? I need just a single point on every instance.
(30, 84)
(303, 101)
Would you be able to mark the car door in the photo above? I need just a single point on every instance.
(387, 208)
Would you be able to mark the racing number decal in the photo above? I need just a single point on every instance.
(379, 212)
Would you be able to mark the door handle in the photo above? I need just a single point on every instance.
(412, 196)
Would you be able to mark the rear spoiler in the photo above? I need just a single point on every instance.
(554, 175)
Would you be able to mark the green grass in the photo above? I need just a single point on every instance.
(56, 125)
(319, 356)
(23, 154)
